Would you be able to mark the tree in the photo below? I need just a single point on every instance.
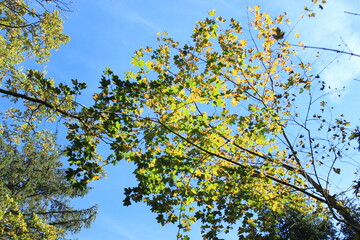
(292, 224)
(26, 33)
(34, 191)
(221, 129)
(214, 127)
(13, 224)
(29, 32)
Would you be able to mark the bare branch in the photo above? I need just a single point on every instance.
(327, 49)
(356, 14)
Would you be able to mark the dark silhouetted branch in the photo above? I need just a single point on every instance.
(327, 49)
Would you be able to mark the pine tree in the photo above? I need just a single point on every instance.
(33, 188)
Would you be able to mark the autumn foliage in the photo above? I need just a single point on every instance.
(221, 129)
(230, 130)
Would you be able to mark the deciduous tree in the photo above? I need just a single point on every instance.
(221, 130)
(29, 31)
(34, 193)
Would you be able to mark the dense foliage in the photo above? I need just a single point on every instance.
(29, 31)
(34, 194)
(221, 130)
(230, 130)
(34, 188)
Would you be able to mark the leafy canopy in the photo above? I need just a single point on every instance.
(35, 196)
(218, 130)
(14, 225)
(29, 31)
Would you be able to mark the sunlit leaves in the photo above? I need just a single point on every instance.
(212, 13)
(29, 34)
(34, 194)
(172, 119)
(209, 127)
(14, 224)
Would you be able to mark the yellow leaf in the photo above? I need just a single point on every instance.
(242, 43)
(234, 102)
(257, 8)
(97, 177)
(212, 12)
(198, 172)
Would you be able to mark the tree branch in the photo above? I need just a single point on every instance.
(327, 49)
(329, 199)
(356, 14)
(243, 166)
(44, 103)
(20, 26)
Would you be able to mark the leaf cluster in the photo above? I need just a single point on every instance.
(34, 189)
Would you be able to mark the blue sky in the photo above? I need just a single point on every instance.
(106, 33)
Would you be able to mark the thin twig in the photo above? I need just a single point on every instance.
(327, 49)
(356, 14)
